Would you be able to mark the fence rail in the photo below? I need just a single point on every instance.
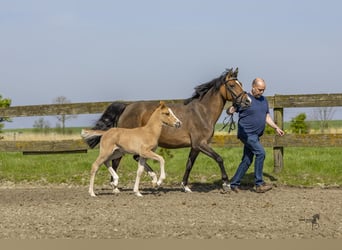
(276, 102)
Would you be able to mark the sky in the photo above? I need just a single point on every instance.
(108, 50)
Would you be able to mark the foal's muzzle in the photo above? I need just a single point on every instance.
(178, 124)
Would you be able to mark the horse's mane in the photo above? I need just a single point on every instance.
(202, 89)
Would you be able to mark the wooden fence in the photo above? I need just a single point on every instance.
(278, 103)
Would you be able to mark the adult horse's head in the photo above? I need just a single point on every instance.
(232, 89)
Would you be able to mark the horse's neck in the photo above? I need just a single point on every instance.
(213, 104)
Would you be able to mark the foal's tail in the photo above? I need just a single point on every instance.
(109, 119)
(89, 133)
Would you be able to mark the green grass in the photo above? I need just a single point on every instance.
(306, 167)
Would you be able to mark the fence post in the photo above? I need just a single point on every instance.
(278, 151)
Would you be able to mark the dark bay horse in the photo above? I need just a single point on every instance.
(142, 141)
(198, 114)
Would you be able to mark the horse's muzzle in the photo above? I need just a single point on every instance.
(246, 102)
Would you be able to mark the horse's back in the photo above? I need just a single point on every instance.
(137, 114)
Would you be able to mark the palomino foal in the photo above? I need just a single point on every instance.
(141, 141)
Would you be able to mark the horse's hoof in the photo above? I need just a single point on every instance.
(186, 188)
(226, 187)
(116, 191)
(159, 183)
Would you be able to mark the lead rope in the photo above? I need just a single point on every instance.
(229, 121)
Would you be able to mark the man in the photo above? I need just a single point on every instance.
(251, 126)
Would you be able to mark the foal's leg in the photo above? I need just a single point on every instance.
(102, 158)
(149, 170)
(139, 173)
(93, 171)
(154, 156)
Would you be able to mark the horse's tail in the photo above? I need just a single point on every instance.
(109, 119)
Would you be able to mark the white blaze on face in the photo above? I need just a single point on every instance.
(177, 120)
(249, 99)
(237, 82)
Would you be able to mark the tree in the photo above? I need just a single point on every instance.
(298, 124)
(323, 115)
(4, 103)
(41, 124)
(62, 118)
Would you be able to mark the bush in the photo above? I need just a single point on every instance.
(298, 124)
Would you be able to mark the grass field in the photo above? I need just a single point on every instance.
(305, 167)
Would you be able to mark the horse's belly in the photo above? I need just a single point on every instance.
(167, 140)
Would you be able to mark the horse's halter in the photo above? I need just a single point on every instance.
(237, 99)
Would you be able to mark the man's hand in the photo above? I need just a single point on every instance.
(231, 110)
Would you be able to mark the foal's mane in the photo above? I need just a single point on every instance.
(202, 89)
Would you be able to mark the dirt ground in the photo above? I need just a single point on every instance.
(63, 212)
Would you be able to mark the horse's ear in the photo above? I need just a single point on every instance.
(236, 72)
(161, 103)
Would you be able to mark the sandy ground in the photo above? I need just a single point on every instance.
(62, 212)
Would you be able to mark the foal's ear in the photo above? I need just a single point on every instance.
(161, 103)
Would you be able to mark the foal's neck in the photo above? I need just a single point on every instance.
(154, 123)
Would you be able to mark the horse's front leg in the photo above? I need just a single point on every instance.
(191, 160)
(204, 148)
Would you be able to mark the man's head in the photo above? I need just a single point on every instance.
(258, 87)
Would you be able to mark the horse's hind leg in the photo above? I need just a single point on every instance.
(149, 170)
(114, 167)
(114, 176)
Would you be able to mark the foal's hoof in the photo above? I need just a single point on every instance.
(138, 194)
(92, 194)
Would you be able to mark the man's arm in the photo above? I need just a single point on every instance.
(270, 122)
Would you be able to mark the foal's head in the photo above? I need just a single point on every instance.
(167, 116)
(232, 89)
